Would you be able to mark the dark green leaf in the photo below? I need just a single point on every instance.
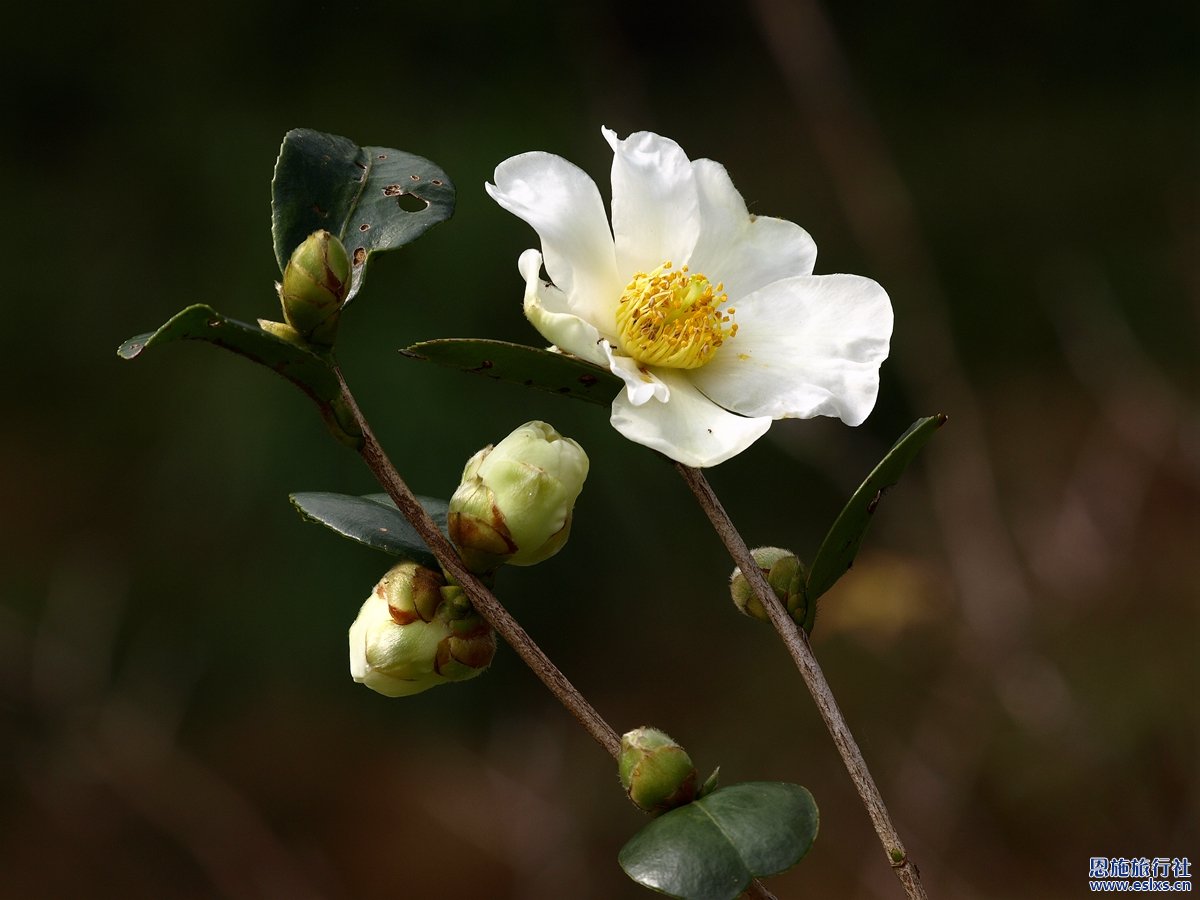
(372, 198)
(711, 849)
(843, 540)
(305, 369)
(373, 520)
(438, 509)
(558, 373)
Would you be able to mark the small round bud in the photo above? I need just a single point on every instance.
(515, 501)
(784, 573)
(655, 771)
(410, 635)
(315, 282)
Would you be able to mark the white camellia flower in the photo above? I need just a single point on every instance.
(710, 315)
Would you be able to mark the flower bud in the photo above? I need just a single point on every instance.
(784, 573)
(315, 283)
(655, 771)
(515, 500)
(413, 633)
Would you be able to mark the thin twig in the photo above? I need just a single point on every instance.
(484, 600)
(797, 644)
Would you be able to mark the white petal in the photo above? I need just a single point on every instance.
(367, 615)
(744, 252)
(546, 307)
(806, 346)
(641, 384)
(690, 428)
(655, 210)
(564, 207)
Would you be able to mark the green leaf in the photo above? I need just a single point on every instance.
(438, 509)
(558, 373)
(845, 537)
(303, 368)
(372, 198)
(373, 520)
(711, 849)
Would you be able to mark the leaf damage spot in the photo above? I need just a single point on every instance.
(411, 202)
(365, 226)
(482, 367)
(875, 500)
(392, 190)
(360, 256)
(415, 177)
(436, 181)
(382, 156)
(588, 380)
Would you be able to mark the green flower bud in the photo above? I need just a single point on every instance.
(515, 500)
(315, 283)
(655, 771)
(784, 573)
(413, 633)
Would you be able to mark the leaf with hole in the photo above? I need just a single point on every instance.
(546, 370)
(303, 368)
(845, 537)
(373, 520)
(372, 198)
(712, 848)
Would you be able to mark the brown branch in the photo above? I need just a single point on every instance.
(485, 601)
(797, 645)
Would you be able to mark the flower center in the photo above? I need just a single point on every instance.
(671, 318)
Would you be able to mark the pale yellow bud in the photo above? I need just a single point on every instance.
(407, 638)
(515, 501)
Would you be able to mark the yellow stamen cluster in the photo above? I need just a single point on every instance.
(673, 318)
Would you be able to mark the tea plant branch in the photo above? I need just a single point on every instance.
(484, 601)
(797, 645)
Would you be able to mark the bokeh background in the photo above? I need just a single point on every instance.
(1016, 648)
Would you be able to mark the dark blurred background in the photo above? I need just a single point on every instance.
(1016, 648)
